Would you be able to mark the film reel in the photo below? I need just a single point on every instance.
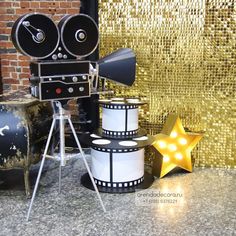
(35, 35)
(79, 34)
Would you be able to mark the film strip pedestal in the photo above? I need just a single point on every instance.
(117, 149)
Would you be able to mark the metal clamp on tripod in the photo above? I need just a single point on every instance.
(62, 116)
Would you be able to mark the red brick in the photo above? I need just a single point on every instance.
(6, 44)
(60, 11)
(55, 5)
(72, 11)
(14, 75)
(8, 56)
(26, 82)
(13, 63)
(5, 4)
(6, 30)
(5, 62)
(23, 58)
(24, 76)
(49, 4)
(14, 87)
(16, 4)
(8, 69)
(34, 5)
(45, 10)
(65, 4)
(76, 4)
(5, 74)
(3, 11)
(25, 70)
(10, 81)
(24, 63)
(44, 4)
(24, 4)
(6, 18)
(22, 11)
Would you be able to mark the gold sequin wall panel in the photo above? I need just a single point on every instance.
(185, 64)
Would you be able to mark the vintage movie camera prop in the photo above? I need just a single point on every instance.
(60, 69)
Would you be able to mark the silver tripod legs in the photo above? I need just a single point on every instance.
(62, 145)
(41, 168)
(86, 164)
(62, 117)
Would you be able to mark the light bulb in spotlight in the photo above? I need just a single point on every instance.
(173, 134)
(179, 156)
(172, 147)
(183, 141)
(161, 144)
(166, 158)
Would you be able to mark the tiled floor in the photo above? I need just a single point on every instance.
(200, 203)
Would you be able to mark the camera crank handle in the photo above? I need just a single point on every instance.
(37, 34)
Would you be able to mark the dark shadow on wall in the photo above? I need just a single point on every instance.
(0, 77)
(88, 106)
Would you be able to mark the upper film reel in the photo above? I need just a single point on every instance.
(79, 35)
(35, 35)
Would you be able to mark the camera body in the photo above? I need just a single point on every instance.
(58, 80)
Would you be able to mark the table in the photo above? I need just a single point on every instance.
(24, 127)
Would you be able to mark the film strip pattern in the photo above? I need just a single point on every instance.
(119, 184)
(119, 107)
(121, 133)
(102, 149)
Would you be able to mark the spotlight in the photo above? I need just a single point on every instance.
(119, 66)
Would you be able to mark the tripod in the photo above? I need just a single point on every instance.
(62, 116)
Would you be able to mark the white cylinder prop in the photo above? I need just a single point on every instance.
(120, 120)
(117, 169)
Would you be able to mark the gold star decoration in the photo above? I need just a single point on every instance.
(174, 147)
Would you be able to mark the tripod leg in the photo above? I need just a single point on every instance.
(86, 164)
(41, 168)
(62, 148)
(60, 177)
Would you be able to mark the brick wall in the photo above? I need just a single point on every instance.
(14, 67)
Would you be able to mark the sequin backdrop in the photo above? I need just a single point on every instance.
(185, 64)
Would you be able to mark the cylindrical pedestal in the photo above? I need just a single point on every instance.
(121, 169)
(117, 150)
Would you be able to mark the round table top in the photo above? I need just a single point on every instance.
(113, 144)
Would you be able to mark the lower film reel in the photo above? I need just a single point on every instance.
(35, 35)
(79, 35)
